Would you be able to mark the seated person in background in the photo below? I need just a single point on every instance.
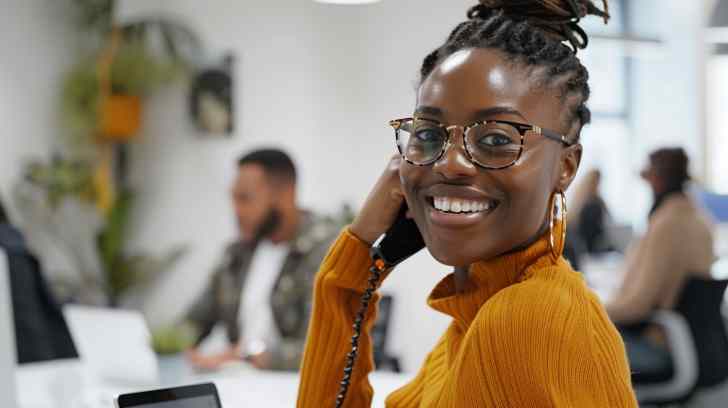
(678, 244)
(588, 215)
(40, 330)
(261, 290)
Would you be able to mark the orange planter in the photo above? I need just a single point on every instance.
(121, 117)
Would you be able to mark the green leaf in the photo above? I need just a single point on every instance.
(113, 236)
(172, 339)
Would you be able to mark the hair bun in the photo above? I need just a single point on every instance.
(558, 9)
(492, 3)
(557, 18)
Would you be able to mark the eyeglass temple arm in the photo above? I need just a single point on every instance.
(397, 123)
(553, 136)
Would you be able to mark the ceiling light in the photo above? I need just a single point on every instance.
(717, 32)
(719, 18)
(347, 1)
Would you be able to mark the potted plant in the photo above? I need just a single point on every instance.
(134, 73)
(110, 105)
(62, 200)
(125, 271)
(101, 108)
(169, 342)
(102, 94)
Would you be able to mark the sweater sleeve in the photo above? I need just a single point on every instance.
(287, 352)
(338, 287)
(205, 312)
(535, 346)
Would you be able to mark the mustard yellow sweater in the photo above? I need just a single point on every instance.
(526, 333)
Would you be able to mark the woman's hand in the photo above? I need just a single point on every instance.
(381, 206)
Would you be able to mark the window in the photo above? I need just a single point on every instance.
(717, 131)
(608, 139)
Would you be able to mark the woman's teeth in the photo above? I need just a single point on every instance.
(457, 205)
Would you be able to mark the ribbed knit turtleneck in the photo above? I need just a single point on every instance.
(485, 279)
(526, 332)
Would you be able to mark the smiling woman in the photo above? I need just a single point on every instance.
(484, 160)
(526, 169)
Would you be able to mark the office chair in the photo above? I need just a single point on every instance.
(382, 359)
(696, 337)
(8, 357)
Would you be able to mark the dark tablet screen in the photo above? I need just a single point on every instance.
(191, 396)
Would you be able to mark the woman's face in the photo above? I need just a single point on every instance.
(472, 85)
(650, 175)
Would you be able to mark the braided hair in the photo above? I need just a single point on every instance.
(534, 33)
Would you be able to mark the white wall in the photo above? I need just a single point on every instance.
(320, 81)
(716, 132)
(668, 94)
(34, 50)
(667, 105)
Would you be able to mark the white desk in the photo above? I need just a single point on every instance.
(62, 384)
(604, 274)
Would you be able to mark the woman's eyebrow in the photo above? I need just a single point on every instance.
(481, 114)
(496, 110)
(429, 110)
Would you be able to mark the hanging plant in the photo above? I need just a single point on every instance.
(62, 178)
(101, 101)
(94, 15)
(134, 73)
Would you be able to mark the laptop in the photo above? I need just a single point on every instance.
(8, 357)
(113, 345)
(190, 396)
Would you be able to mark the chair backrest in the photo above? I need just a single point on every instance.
(700, 302)
(8, 359)
(716, 204)
(40, 331)
(381, 326)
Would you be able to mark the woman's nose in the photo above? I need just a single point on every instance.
(455, 162)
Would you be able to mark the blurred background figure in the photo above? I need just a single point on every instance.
(678, 243)
(588, 218)
(677, 246)
(590, 214)
(262, 288)
(40, 330)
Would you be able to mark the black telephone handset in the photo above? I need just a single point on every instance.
(402, 240)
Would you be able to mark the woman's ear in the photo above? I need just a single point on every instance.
(570, 160)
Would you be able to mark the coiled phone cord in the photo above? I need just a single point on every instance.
(376, 274)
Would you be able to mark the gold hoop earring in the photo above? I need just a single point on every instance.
(557, 250)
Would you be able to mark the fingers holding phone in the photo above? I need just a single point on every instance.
(382, 204)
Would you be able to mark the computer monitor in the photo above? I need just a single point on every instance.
(8, 359)
(114, 345)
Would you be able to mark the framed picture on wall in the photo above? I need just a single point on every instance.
(211, 99)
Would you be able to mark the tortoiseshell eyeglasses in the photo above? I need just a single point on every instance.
(491, 144)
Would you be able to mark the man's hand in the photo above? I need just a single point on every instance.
(213, 361)
(260, 361)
